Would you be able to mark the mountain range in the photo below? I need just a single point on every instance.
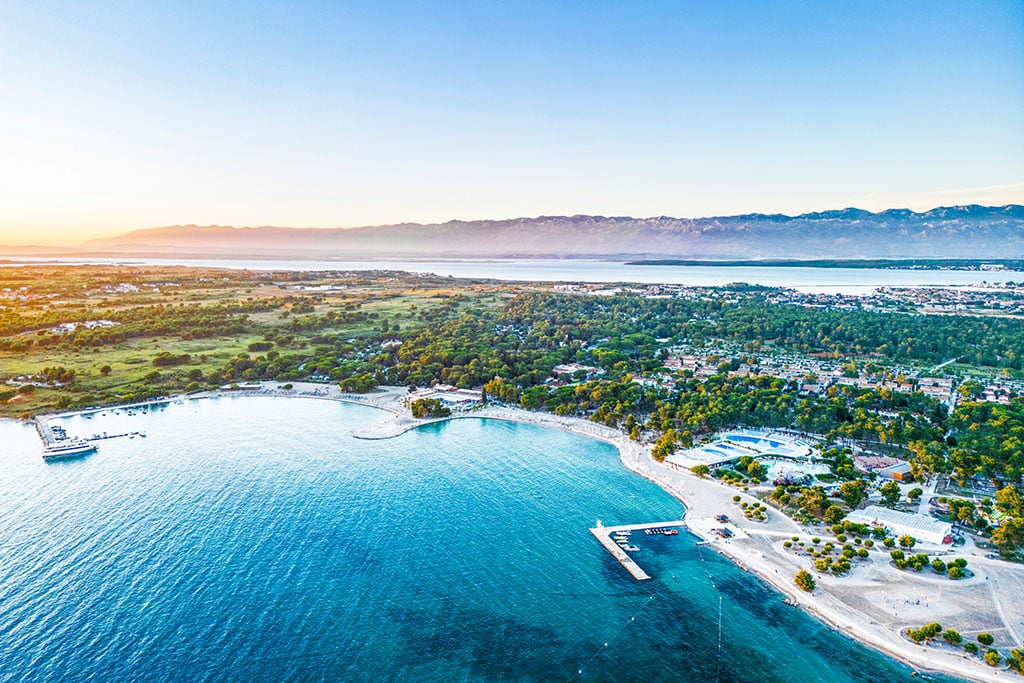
(970, 231)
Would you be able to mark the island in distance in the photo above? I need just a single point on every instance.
(965, 232)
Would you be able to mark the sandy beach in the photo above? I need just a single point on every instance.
(874, 604)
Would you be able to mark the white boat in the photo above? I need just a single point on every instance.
(67, 449)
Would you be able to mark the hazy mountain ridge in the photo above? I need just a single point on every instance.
(970, 231)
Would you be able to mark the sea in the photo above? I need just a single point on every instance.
(804, 279)
(254, 539)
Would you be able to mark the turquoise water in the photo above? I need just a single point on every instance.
(254, 539)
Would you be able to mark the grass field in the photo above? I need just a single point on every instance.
(35, 300)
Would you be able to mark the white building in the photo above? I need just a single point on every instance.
(926, 529)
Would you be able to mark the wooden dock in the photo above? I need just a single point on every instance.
(604, 535)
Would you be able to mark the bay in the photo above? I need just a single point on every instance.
(817, 280)
(254, 539)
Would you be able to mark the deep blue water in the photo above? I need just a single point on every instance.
(254, 539)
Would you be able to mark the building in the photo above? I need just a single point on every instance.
(925, 529)
(576, 371)
(898, 472)
(873, 463)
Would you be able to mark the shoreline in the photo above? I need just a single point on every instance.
(702, 499)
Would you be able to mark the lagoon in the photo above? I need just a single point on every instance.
(252, 538)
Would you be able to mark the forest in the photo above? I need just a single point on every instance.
(166, 331)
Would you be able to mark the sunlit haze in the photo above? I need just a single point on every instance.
(116, 116)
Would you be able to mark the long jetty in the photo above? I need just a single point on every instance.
(604, 535)
(104, 435)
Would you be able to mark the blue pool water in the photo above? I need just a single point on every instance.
(254, 539)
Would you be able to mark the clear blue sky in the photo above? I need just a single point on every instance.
(122, 115)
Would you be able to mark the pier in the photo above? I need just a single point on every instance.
(45, 431)
(604, 535)
(104, 435)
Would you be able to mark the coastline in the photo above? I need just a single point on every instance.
(756, 549)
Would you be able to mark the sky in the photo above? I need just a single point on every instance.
(123, 115)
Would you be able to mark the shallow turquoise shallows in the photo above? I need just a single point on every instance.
(253, 539)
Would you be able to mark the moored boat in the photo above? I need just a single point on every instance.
(67, 449)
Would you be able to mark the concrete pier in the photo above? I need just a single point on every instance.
(604, 535)
(45, 433)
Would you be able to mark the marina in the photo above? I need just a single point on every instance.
(614, 540)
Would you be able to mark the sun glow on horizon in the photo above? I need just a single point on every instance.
(330, 116)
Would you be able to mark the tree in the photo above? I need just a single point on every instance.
(1016, 660)
(701, 470)
(971, 648)
(914, 493)
(907, 541)
(890, 493)
(992, 658)
(833, 514)
(1009, 537)
(105, 370)
(756, 470)
(665, 445)
(985, 638)
(853, 492)
(429, 407)
(813, 501)
(938, 566)
(952, 637)
(805, 581)
(956, 572)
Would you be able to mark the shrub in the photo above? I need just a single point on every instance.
(805, 581)
(985, 639)
(971, 647)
